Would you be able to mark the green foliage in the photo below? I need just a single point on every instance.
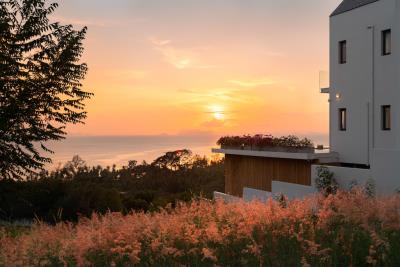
(325, 181)
(265, 141)
(370, 188)
(78, 190)
(281, 199)
(82, 199)
(40, 83)
(174, 160)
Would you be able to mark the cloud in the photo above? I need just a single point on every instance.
(274, 54)
(214, 124)
(158, 42)
(79, 22)
(199, 133)
(221, 93)
(96, 22)
(224, 96)
(179, 58)
(252, 83)
(126, 73)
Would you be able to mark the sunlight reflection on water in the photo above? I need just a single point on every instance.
(109, 150)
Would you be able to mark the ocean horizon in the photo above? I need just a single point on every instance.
(119, 150)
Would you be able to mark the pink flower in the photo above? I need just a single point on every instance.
(208, 254)
(203, 230)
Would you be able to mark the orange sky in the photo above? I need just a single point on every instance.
(225, 67)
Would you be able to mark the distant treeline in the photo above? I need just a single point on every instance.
(77, 190)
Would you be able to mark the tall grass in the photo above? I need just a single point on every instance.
(346, 229)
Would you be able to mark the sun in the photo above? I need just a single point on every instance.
(218, 112)
(219, 116)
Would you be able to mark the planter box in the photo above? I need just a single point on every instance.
(273, 149)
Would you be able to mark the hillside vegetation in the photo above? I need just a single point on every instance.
(77, 190)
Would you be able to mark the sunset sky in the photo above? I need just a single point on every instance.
(203, 66)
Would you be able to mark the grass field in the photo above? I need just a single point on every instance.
(346, 229)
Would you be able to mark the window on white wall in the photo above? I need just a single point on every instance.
(342, 119)
(386, 42)
(342, 52)
(386, 118)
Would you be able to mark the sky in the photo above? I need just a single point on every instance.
(203, 66)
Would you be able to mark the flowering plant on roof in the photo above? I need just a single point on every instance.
(265, 141)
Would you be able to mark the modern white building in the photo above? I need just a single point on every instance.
(364, 105)
(364, 92)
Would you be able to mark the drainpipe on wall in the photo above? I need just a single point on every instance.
(368, 133)
(372, 109)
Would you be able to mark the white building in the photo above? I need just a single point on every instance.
(364, 93)
(364, 100)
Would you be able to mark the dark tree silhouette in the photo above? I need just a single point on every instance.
(40, 84)
(174, 160)
(76, 189)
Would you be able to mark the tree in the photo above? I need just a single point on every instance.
(174, 160)
(74, 166)
(40, 84)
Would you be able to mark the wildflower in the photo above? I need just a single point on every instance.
(208, 254)
(202, 229)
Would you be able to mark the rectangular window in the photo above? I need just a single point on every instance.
(342, 52)
(386, 118)
(342, 119)
(386, 42)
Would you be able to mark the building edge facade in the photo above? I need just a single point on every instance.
(364, 111)
(366, 86)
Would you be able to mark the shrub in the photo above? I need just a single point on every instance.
(281, 199)
(370, 188)
(78, 190)
(325, 181)
(83, 199)
(140, 201)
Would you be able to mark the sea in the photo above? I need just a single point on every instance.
(119, 150)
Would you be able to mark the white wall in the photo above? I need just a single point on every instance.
(344, 176)
(386, 170)
(396, 52)
(366, 82)
(358, 81)
(292, 190)
(250, 194)
(226, 198)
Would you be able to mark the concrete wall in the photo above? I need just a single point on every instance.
(386, 177)
(292, 191)
(386, 170)
(226, 198)
(250, 194)
(344, 176)
(366, 82)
